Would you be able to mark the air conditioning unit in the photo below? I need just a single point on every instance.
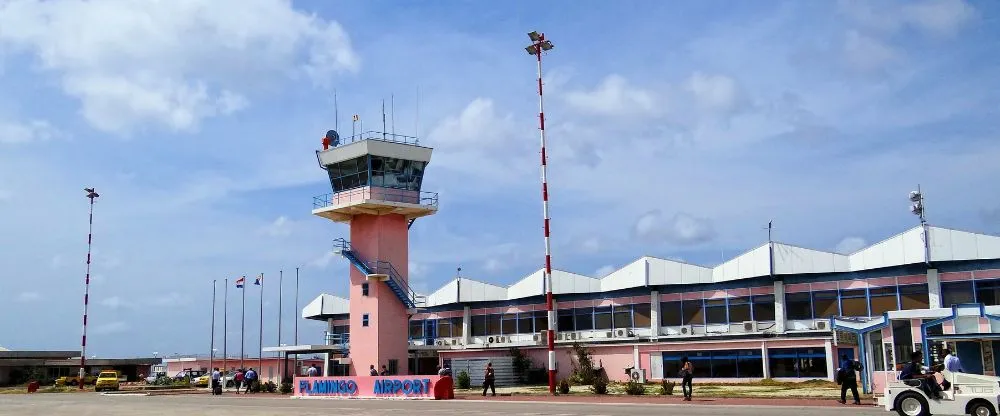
(624, 333)
(454, 341)
(823, 325)
(636, 374)
(750, 326)
(490, 340)
(609, 334)
(439, 342)
(502, 339)
(574, 335)
(686, 330)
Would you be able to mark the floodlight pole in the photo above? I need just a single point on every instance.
(539, 45)
(86, 291)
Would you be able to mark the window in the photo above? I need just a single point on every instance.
(348, 174)
(798, 362)
(883, 299)
(602, 318)
(854, 302)
(988, 292)
(739, 309)
(670, 314)
(390, 172)
(763, 307)
(584, 318)
(902, 337)
(364, 320)
(541, 321)
(641, 315)
(715, 311)
(716, 364)
(416, 329)
(797, 306)
(565, 320)
(393, 367)
(508, 324)
(444, 328)
(824, 304)
(913, 297)
(694, 312)
(524, 323)
(493, 323)
(364, 289)
(875, 346)
(456, 327)
(954, 293)
(478, 325)
(623, 316)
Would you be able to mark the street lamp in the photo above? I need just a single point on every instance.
(86, 291)
(917, 208)
(538, 45)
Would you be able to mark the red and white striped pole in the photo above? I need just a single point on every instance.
(86, 294)
(539, 45)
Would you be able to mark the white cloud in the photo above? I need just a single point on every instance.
(111, 328)
(478, 126)
(850, 245)
(176, 299)
(281, 227)
(29, 297)
(681, 229)
(717, 94)
(614, 96)
(591, 245)
(941, 18)
(417, 269)
(323, 261)
(865, 53)
(493, 265)
(31, 131)
(115, 302)
(171, 63)
(604, 271)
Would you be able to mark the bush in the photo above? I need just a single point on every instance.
(564, 386)
(583, 369)
(463, 381)
(286, 388)
(522, 363)
(269, 387)
(667, 387)
(600, 385)
(633, 388)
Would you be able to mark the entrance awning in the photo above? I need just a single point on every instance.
(306, 349)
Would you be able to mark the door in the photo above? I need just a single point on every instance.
(996, 362)
(971, 356)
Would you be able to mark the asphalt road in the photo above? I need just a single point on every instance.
(86, 404)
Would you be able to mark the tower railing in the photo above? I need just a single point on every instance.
(376, 193)
(377, 135)
(395, 281)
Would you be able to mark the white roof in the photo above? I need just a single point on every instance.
(901, 249)
(3, 349)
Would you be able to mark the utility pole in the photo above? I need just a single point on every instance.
(86, 291)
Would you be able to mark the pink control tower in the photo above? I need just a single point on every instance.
(376, 179)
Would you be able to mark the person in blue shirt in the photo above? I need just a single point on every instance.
(914, 371)
(251, 378)
(848, 379)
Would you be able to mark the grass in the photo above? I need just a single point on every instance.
(813, 389)
(23, 389)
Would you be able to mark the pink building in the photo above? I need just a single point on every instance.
(768, 313)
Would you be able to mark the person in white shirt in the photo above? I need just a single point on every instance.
(951, 362)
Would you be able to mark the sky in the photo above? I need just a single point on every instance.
(675, 129)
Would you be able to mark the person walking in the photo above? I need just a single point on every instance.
(384, 372)
(251, 379)
(848, 379)
(687, 376)
(216, 382)
(372, 371)
(313, 371)
(489, 380)
(238, 380)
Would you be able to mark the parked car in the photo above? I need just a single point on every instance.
(107, 380)
(75, 380)
(152, 378)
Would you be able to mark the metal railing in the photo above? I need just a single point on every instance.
(377, 135)
(377, 193)
(343, 246)
(337, 339)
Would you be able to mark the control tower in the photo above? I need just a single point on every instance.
(376, 179)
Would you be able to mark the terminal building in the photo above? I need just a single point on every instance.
(777, 311)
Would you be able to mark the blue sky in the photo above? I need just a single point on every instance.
(677, 129)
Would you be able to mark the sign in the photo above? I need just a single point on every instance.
(397, 387)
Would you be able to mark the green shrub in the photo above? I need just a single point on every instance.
(600, 386)
(286, 388)
(463, 381)
(564, 386)
(667, 387)
(269, 387)
(522, 363)
(633, 388)
(584, 372)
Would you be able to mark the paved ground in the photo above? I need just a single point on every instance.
(86, 404)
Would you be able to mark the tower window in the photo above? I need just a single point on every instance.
(364, 320)
(364, 289)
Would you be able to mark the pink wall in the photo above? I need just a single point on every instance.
(614, 358)
(382, 237)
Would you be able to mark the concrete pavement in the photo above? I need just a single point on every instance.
(87, 404)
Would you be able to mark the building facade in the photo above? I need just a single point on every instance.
(767, 313)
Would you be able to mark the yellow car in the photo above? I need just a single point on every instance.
(107, 380)
(75, 380)
(201, 381)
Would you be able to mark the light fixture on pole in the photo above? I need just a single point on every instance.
(917, 208)
(86, 291)
(539, 45)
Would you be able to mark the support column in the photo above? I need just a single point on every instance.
(326, 364)
(779, 307)
(764, 360)
(831, 357)
(933, 289)
(654, 312)
(466, 325)
(635, 357)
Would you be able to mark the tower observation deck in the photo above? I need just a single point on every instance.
(376, 180)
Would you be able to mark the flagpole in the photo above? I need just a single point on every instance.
(243, 322)
(281, 279)
(260, 331)
(225, 324)
(211, 348)
(296, 306)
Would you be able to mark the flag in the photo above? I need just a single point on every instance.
(240, 281)
(258, 280)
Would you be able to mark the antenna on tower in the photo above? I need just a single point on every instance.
(392, 113)
(416, 122)
(336, 112)
(383, 119)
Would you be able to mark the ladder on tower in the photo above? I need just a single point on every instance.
(382, 269)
